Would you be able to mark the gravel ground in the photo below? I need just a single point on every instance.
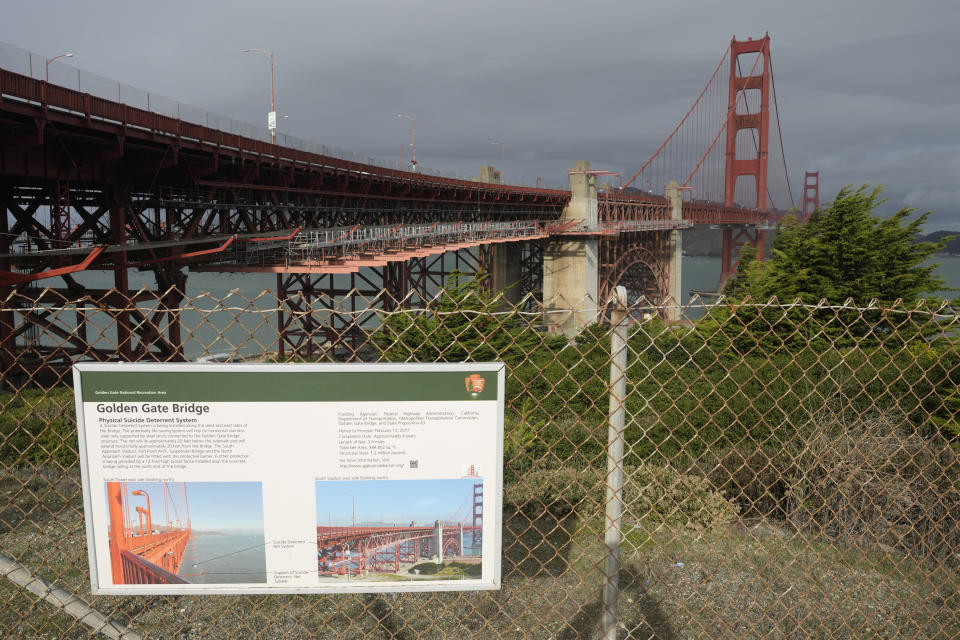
(755, 580)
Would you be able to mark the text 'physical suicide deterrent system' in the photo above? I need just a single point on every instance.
(292, 478)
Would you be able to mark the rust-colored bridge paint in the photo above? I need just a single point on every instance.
(147, 558)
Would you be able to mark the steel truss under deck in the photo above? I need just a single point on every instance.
(87, 183)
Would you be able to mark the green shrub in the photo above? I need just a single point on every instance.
(757, 480)
(662, 496)
(653, 496)
(558, 492)
(38, 426)
(875, 480)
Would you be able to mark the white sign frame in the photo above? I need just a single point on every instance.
(235, 431)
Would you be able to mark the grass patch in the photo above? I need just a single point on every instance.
(747, 580)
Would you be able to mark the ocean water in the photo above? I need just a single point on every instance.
(235, 314)
(948, 269)
(225, 557)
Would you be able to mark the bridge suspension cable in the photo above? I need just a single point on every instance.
(741, 96)
(641, 171)
(783, 152)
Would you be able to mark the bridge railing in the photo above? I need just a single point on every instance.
(17, 87)
(137, 570)
(789, 469)
(86, 93)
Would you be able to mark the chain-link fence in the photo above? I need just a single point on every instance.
(788, 470)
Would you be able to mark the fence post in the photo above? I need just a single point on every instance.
(612, 534)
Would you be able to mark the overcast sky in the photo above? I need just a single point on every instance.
(869, 90)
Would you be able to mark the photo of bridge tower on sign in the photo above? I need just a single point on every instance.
(400, 530)
(173, 533)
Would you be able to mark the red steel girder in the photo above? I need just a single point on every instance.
(76, 113)
(11, 277)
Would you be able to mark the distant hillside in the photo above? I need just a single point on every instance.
(701, 240)
(953, 246)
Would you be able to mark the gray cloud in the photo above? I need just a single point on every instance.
(869, 90)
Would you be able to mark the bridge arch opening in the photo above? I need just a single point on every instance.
(644, 271)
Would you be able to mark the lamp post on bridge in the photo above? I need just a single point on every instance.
(141, 492)
(272, 116)
(62, 55)
(501, 161)
(413, 121)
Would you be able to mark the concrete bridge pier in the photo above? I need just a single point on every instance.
(571, 266)
(506, 272)
(506, 261)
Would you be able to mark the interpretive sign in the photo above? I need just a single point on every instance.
(292, 478)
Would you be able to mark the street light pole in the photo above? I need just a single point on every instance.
(140, 492)
(62, 55)
(272, 116)
(413, 121)
(501, 161)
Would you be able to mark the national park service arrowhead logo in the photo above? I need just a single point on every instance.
(474, 384)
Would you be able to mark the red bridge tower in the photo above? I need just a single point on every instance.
(758, 124)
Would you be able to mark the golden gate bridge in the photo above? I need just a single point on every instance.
(143, 551)
(88, 182)
(358, 550)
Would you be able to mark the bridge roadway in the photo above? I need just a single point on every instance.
(359, 550)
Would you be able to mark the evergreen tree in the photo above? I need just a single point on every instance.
(843, 252)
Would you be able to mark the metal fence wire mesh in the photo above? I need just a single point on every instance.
(790, 471)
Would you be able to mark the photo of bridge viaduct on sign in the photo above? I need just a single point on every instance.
(394, 530)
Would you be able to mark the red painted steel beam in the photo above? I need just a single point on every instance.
(66, 106)
(192, 254)
(11, 277)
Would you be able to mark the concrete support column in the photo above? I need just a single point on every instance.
(488, 175)
(571, 266)
(506, 271)
(675, 247)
